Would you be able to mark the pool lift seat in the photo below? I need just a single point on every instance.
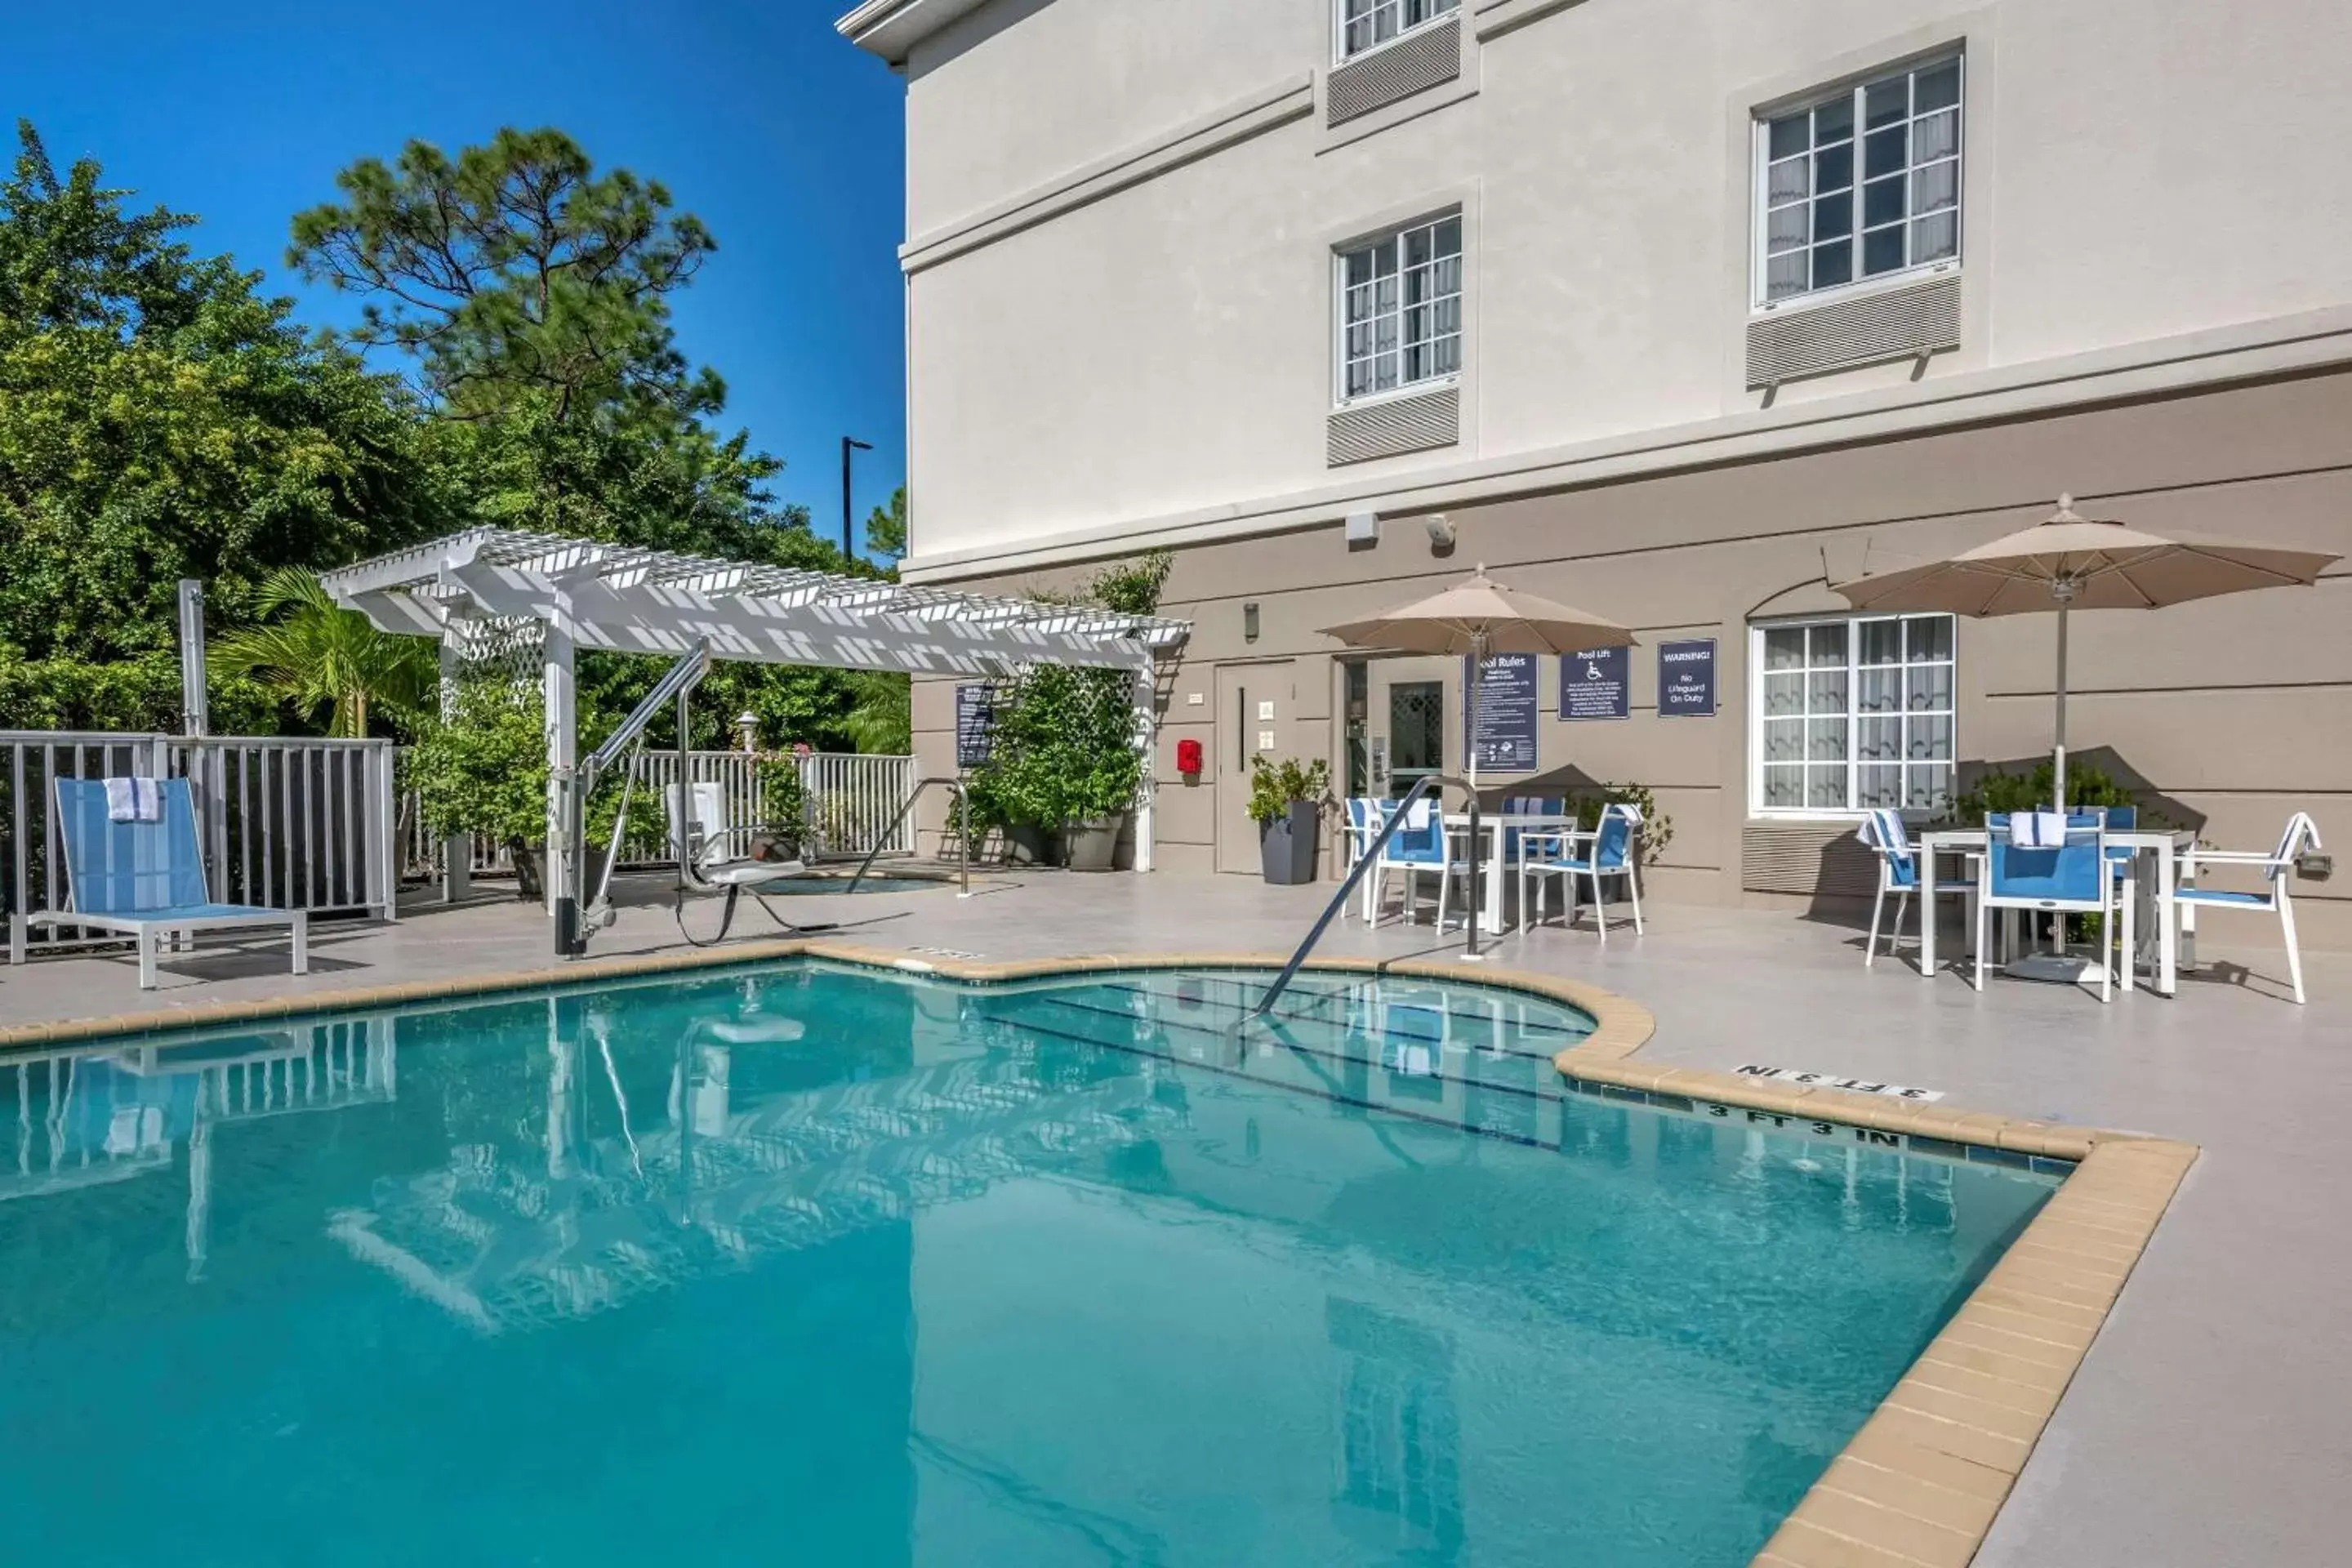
(579, 914)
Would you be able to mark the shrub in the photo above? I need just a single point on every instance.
(1275, 786)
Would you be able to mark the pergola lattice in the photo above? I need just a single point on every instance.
(623, 599)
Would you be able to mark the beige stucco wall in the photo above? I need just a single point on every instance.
(2137, 169)
(2235, 711)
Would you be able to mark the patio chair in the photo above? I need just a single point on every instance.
(147, 879)
(1366, 817)
(1610, 854)
(2301, 835)
(2071, 876)
(1423, 850)
(1899, 872)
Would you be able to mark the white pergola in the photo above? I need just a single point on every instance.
(627, 600)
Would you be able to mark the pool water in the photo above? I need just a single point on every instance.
(814, 1266)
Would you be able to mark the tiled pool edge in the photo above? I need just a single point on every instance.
(1918, 1486)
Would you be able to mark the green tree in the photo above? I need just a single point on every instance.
(515, 268)
(318, 654)
(532, 293)
(886, 527)
(160, 420)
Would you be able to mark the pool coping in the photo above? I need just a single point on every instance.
(1917, 1486)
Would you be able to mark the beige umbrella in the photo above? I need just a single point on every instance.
(1471, 620)
(2074, 562)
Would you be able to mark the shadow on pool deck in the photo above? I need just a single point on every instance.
(2205, 1426)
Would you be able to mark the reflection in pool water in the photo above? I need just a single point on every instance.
(814, 1265)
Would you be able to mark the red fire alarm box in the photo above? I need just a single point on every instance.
(1188, 756)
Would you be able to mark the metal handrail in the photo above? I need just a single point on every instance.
(890, 834)
(1428, 785)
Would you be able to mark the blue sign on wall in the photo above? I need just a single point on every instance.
(1505, 738)
(975, 712)
(1686, 678)
(1596, 683)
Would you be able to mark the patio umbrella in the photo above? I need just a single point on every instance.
(2074, 563)
(1471, 620)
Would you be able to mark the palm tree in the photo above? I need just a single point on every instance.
(317, 655)
(881, 718)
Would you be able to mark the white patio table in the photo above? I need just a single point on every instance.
(1493, 826)
(2163, 845)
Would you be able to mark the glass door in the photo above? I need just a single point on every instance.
(1417, 733)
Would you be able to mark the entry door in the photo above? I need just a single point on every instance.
(1413, 701)
(1254, 704)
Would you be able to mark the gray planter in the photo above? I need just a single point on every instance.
(1028, 844)
(1092, 846)
(1287, 846)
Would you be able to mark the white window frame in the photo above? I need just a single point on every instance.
(1757, 687)
(1395, 236)
(1340, 55)
(1759, 190)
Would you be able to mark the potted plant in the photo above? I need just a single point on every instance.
(482, 770)
(1287, 804)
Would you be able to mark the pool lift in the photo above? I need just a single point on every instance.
(579, 914)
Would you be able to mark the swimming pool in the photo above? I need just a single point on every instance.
(823, 1265)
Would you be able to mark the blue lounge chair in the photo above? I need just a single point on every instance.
(147, 879)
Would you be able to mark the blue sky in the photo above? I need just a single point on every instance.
(783, 138)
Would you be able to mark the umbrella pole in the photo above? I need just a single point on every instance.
(2065, 593)
(1470, 898)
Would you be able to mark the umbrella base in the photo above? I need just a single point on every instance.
(2056, 968)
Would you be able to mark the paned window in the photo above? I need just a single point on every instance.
(1855, 713)
(1862, 184)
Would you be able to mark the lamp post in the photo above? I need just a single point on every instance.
(848, 444)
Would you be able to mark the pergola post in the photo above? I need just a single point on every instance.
(1147, 718)
(559, 692)
(457, 850)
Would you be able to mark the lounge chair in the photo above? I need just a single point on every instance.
(2302, 833)
(147, 880)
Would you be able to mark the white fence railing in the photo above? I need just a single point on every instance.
(286, 822)
(847, 805)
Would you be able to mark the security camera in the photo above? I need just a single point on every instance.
(1440, 531)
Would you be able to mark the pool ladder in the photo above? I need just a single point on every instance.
(963, 830)
(1425, 788)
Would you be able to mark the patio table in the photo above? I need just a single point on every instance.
(1495, 825)
(2164, 845)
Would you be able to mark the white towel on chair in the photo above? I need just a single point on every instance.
(133, 800)
(1417, 819)
(2037, 830)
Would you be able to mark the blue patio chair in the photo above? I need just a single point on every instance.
(147, 879)
(2074, 877)
(1899, 873)
(1366, 817)
(2301, 835)
(1425, 850)
(1609, 853)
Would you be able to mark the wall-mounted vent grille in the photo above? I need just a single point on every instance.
(1901, 323)
(1822, 859)
(1401, 70)
(1400, 425)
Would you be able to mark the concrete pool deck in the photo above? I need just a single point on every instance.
(2207, 1423)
